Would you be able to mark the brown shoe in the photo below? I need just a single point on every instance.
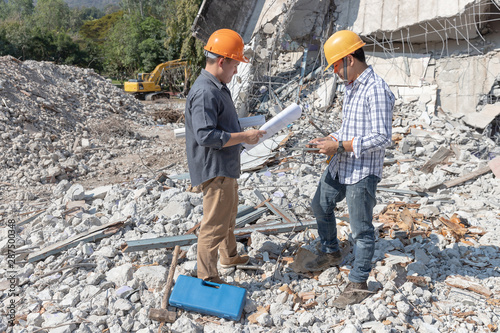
(353, 293)
(234, 261)
(324, 261)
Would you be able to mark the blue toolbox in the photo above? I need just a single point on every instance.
(209, 298)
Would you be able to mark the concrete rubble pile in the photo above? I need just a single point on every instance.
(54, 118)
(437, 258)
(432, 281)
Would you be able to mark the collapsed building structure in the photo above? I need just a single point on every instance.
(442, 54)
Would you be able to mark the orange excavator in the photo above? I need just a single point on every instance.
(147, 85)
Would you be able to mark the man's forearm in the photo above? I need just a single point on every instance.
(235, 139)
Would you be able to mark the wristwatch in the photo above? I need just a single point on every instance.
(341, 148)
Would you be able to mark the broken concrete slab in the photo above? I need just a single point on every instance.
(98, 192)
(257, 157)
(401, 17)
(484, 117)
(92, 235)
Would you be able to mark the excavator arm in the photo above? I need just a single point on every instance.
(156, 74)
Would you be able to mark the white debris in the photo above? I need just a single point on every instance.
(425, 279)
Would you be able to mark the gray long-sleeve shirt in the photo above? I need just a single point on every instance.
(210, 118)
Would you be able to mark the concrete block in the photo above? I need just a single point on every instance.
(176, 208)
(483, 118)
(324, 93)
(120, 274)
(153, 276)
(54, 319)
(70, 300)
(269, 28)
(98, 192)
(410, 70)
(85, 143)
(262, 243)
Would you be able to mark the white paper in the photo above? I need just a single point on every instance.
(252, 121)
(278, 122)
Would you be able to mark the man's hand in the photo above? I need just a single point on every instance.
(316, 141)
(252, 136)
(325, 145)
(249, 137)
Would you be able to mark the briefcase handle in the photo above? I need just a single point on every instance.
(210, 284)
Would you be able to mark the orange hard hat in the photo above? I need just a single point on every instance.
(226, 43)
(340, 44)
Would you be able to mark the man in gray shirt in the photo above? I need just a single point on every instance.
(213, 145)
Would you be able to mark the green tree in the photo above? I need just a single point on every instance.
(66, 51)
(134, 44)
(151, 48)
(137, 38)
(120, 49)
(158, 9)
(180, 41)
(52, 15)
(18, 35)
(3, 10)
(5, 45)
(78, 16)
(98, 30)
(23, 8)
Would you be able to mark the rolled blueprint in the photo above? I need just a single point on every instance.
(278, 122)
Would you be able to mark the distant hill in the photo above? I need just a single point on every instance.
(100, 4)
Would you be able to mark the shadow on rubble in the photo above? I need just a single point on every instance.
(433, 260)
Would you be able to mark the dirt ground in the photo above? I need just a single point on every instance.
(159, 152)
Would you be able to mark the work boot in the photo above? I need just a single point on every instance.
(234, 261)
(353, 293)
(324, 261)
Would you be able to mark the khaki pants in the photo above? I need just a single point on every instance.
(220, 206)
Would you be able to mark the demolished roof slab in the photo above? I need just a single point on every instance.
(405, 19)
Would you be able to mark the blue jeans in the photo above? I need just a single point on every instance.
(360, 198)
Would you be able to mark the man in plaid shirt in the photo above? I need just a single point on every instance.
(358, 151)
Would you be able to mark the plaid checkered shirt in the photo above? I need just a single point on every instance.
(367, 122)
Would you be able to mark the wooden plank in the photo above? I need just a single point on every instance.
(467, 177)
(31, 218)
(80, 265)
(193, 229)
(438, 157)
(92, 235)
(453, 226)
(461, 282)
(33, 212)
(263, 203)
(182, 240)
(407, 220)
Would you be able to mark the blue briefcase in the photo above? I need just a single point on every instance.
(209, 298)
